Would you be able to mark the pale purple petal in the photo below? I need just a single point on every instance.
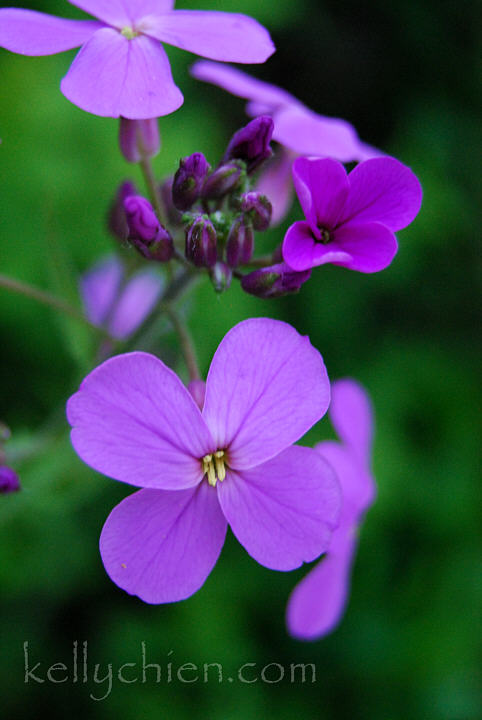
(134, 421)
(371, 247)
(113, 76)
(357, 483)
(307, 133)
(275, 181)
(243, 85)
(267, 385)
(351, 414)
(383, 190)
(135, 303)
(99, 288)
(33, 33)
(322, 188)
(217, 35)
(301, 251)
(284, 511)
(317, 603)
(162, 545)
(112, 12)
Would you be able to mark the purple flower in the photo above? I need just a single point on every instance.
(350, 219)
(9, 481)
(122, 69)
(117, 306)
(234, 462)
(297, 128)
(317, 603)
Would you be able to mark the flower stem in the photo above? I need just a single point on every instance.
(187, 344)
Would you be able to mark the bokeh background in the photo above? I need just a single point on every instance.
(404, 74)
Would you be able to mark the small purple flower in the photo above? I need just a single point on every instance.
(274, 281)
(234, 462)
(189, 180)
(317, 603)
(9, 481)
(252, 143)
(350, 219)
(117, 306)
(139, 138)
(122, 70)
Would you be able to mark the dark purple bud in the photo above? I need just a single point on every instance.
(258, 208)
(117, 215)
(189, 180)
(221, 276)
(274, 281)
(252, 143)
(222, 181)
(240, 244)
(197, 388)
(147, 235)
(9, 481)
(139, 138)
(201, 242)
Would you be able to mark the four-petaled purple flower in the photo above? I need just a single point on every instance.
(122, 69)
(350, 219)
(317, 603)
(233, 462)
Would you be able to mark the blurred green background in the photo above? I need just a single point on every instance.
(404, 74)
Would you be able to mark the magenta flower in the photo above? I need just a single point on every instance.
(233, 462)
(9, 481)
(121, 69)
(350, 219)
(297, 128)
(317, 603)
(118, 306)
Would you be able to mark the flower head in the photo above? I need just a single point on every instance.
(233, 462)
(350, 219)
(111, 303)
(122, 70)
(317, 603)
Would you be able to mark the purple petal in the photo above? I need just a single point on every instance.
(383, 190)
(9, 481)
(370, 247)
(112, 12)
(357, 484)
(113, 76)
(33, 33)
(217, 35)
(162, 545)
(265, 388)
(99, 288)
(284, 511)
(276, 183)
(243, 85)
(317, 603)
(134, 420)
(301, 251)
(351, 414)
(322, 188)
(135, 303)
(307, 133)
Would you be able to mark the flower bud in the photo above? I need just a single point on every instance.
(222, 181)
(138, 138)
(201, 242)
(147, 235)
(252, 143)
(9, 481)
(189, 180)
(221, 276)
(240, 244)
(116, 219)
(274, 281)
(258, 208)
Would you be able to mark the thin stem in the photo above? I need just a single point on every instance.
(187, 344)
(150, 180)
(46, 298)
(260, 262)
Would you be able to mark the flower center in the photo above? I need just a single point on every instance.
(213, 467)
(129, 33)
(325, 236)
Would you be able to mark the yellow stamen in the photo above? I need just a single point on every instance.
(213, 467)
(219, 462)
(129, 33)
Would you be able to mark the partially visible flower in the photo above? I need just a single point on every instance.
(350, 219)
(274, 281)
(117, 220)
(251, 143)
(317, 603)
(189, 180)
(9, 481)
(122, 70)
(119, 307)
(139, 138)
(234, 462)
